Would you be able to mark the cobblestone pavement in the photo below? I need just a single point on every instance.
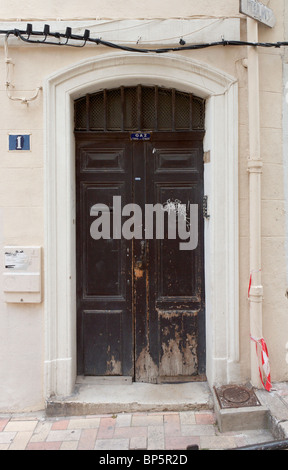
(125, 431)
(129, 431)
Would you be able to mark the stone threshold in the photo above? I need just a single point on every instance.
(110, 396)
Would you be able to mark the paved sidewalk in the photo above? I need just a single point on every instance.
(125, 431)
(169, 430)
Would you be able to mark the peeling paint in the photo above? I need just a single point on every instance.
(146, 369)
(171, 362)
(179, 347)
(113, 366)
(190, 365)
(138, 272)
(177, 360)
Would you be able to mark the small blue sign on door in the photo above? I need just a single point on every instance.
(140, 136)
(19, 142)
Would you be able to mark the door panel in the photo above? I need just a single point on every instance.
(104, 304)
(174, 345)
(102, 337)
(103, 266)
(140, 301)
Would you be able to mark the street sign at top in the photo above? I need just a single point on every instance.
(258, 11)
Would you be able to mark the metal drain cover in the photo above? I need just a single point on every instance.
(236, 396)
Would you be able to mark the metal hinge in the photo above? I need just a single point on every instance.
(205, 207)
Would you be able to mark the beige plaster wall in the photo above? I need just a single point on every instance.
(274, 218)
(40, 9)
(22, 186)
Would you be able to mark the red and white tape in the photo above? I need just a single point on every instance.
(250, 280)
(264, 366)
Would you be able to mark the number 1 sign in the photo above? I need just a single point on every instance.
(19, 142)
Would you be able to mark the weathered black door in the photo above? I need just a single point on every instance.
(140, 301)
(168, 281)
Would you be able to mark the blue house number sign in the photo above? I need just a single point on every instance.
(19, 142)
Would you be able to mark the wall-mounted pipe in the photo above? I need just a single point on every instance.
(255, 176)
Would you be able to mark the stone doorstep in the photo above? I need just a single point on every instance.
(58, 408)
(105, 399)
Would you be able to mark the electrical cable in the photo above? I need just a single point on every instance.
(146, 24)
(8, 84)
(25, 36)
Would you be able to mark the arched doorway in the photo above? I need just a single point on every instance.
(140, 295)
(220, 183)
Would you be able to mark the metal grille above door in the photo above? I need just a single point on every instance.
(139, 108)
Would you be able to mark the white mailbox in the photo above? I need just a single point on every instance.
(22, 274)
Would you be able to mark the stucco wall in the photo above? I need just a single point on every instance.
(22, 203)
(39, 9)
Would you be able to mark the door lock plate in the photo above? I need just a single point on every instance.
(205, 207)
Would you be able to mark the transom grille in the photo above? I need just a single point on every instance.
(139, 108)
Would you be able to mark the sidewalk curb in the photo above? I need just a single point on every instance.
(278, 412)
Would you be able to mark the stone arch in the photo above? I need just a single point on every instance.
(221, 186)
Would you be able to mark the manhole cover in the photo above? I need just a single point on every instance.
(236, 396)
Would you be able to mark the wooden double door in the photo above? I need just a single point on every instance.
(140, 298)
